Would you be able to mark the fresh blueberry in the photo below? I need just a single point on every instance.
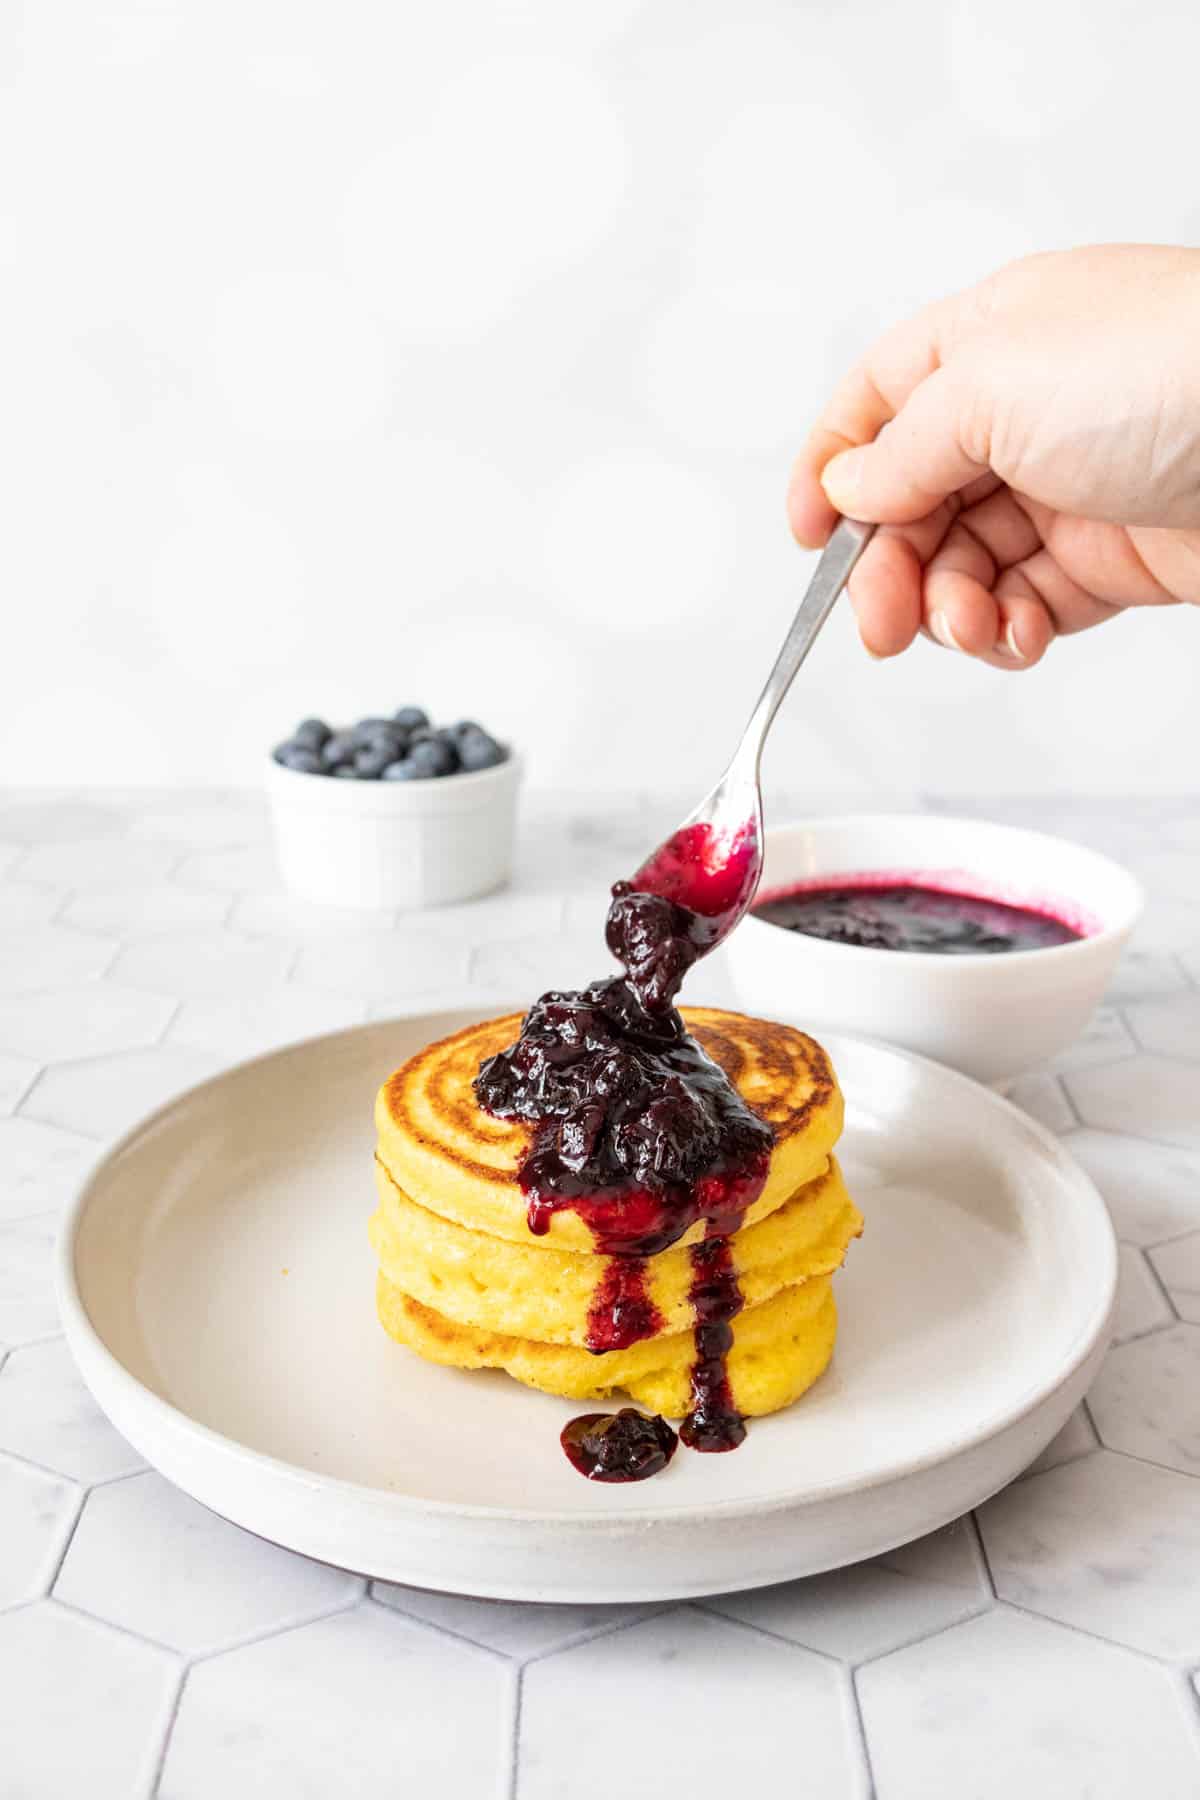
(370, 763)
(337, 749)
(311, 734)
(462, 728)
(385, 735)
(367, 730)
(296, 756)
(476, 750)
(410, 718)
(430, 757)
(450, 743)
(345, 772)
(401, 771)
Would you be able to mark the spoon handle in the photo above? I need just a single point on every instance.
(846, 544)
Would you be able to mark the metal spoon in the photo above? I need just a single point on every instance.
(712, 863)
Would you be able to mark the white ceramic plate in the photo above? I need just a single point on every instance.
(217, 1290)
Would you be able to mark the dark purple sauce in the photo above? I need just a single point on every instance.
(635, 1129)
(713, 1423)
(907, 916)
(620, 1446)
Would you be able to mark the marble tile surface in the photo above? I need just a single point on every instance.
(40, 1166)
(1178, 1268)
(361, 1703)
(83, 1708)
(658, 1671)
(1107, 1544)
(215, 1586)
(1047, 1648)
(1009, 1705)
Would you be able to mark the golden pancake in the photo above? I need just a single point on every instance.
(530, 1291)
(779, 1350)
(452, 1158)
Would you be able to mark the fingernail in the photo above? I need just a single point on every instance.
(939, 627)
(1010, 643)
(842, 476)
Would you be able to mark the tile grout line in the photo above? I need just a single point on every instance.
(516, 1706)
(23, 1096)
(1160, 1284)
(1148, 1461)
(858, 1728)
(196, 1658)
(160, 1761)
(764, 1631)
(445, 1632)
(1157, 1660)
(594, 1635)
(982, 1560)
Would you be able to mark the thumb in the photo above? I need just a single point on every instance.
(915, 462)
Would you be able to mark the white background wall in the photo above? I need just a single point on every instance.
(361, 353)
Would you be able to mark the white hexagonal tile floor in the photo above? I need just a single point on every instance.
(1169, 1027)
(1104, 1039)
(360, 1703)
(66, 1024)
(111, 1093)
(50, 956)
(47, 1415)
(98, 863)
(145, 911)
(37, 1512)
(240, 1025)
(1107, 1544)
(1151, 1094)
(1151, 1190)
(1141, 974)
(285, 916)
(22, 904)
(201, 963)
(1146, 1398)
(41, 821)
(694, 1704)
(27, 1306)
(146, 1557)
(40, 1166)
(379, 964)
(1178, 1267)
(1141, 1304)
(249, 869)
(17, 1076)
(860, 1612)
(513, 1629)
(83, 1709)
(1007, 1705)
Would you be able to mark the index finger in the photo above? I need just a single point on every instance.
(864, 401)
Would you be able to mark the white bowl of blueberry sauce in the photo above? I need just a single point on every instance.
(983, 946)
(393, 811)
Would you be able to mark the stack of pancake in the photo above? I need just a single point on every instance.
(463, 1281)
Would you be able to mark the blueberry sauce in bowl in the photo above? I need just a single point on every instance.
(638, 1131)
(909, 916)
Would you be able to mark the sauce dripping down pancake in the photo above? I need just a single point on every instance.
(637, 1130)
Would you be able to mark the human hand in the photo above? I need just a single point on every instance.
(1031, 450)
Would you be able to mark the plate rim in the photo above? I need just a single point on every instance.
(88, 1346)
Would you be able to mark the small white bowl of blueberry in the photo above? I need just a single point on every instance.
(393, 812)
